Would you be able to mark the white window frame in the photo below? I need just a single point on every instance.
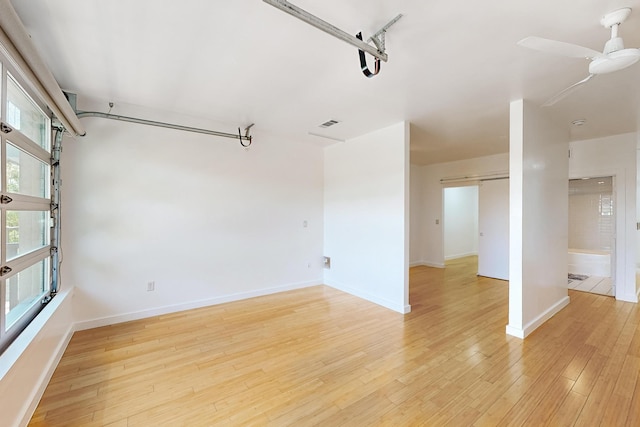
(22, 202)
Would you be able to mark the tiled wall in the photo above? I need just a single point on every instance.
(591, 218)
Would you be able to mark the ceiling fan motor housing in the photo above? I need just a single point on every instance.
(615, 56)
(614, 61)
(614, 44)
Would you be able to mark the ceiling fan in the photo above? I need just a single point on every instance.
(614, 57)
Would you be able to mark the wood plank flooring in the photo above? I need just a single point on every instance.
(318, 356)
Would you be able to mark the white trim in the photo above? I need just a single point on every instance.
(535, 323)
(628, 297)
(457, 256)
(434, 264)
(13, 353)
(142, 314)
(21, 344)
(391, 305)
(426, 264)
(47, 373)
(515, 332)
(619, 267)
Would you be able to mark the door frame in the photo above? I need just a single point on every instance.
(618, 261)
(616, 225)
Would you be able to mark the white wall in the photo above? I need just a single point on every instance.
(366, 216)
(416, 223)
(614, 156)
(460, 221)
(538, 230)
(429, 247)
(27, 365)
(206, 219)
(637, 216)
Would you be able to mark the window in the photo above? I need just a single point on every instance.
(26, 116)
(25, 173)
(24, 290)
(26, 231)
(27, 267)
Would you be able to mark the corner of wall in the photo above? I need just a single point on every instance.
(375, 299)
(366, 216)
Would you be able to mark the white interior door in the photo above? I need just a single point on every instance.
(493, 227)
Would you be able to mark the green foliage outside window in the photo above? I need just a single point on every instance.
(13, 186)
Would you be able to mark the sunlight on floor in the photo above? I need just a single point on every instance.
(593, 284)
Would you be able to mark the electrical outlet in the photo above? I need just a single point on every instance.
(327, 262)
(151, 286)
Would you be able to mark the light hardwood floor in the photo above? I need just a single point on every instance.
(318, 356)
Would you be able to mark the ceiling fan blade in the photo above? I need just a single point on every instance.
(564, 93)
(559, 48)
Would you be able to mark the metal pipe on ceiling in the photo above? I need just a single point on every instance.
(476, 178)
(18, 44)
(239, 136)
(313, 20)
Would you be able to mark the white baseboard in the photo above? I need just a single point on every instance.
(629, 297)
(434, 264)
(535, 323)
(546, 315)
(450, 257)
(515, 332)
(157, 311)
(391, 305)
(426, 264)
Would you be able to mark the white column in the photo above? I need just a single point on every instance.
(539, 178)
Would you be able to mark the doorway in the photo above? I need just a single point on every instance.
(460, 222)
(592, 230)
(476, 223)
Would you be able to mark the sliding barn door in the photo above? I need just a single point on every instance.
(493, 226)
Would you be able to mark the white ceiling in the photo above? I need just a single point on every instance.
(453, 66)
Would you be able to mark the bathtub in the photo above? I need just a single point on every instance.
(590, 263)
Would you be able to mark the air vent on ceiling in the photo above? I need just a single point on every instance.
(329, 123)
